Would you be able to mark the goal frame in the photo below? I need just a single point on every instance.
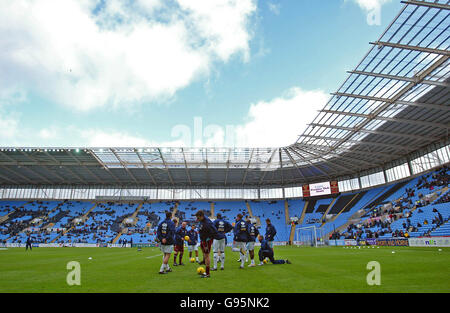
(314, 230)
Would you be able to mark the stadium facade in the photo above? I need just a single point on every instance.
(387, 122)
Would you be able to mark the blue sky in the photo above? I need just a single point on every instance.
(145, 73)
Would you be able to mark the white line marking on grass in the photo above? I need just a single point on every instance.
(153, 256)
(3, 249)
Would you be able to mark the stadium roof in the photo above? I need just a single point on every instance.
(395, 102)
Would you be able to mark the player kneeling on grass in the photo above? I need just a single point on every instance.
(193, 243)
(180, 233)
(208, 232)
(219, 243)
(165, 235)
(241, 237)
(253, 233)
(267, 252)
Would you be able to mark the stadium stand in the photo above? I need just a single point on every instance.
(412, 208)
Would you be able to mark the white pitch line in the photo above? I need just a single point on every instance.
(154, 256)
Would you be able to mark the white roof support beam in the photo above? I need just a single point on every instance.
(124, 166)
(409, 103)
(167, 167)
(281, 166)
(105, 167)
(362, 142)
(145, 167)
(186, 167)
(248, 166)
(415, 80)
(359, 152)
(352, 161)
(293, 149)
(428, 4)
(20, 175)
(8, 179)
(228, 167)
(266, 170)
(382, 44)
(293, 162)
(36, 173)
(382, 118)
(67, 168)
(378, 132)
(85, 167)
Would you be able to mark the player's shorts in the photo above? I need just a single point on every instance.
(240, 245)
(250, 245)
(179, 248)
(166, 248)
(206, 246)
(219, 245)
(193, 247)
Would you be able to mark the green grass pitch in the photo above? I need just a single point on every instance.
(327, 269)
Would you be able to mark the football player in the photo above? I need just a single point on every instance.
(165, 235)
(270, 232)
(253, 233)
(193, 242)
(219, 244)
(241, 237)
(180, 233)
(267, 252)
(207, 232)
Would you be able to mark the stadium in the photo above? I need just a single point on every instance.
(368, 180)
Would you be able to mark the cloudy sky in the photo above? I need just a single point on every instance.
(97, 73)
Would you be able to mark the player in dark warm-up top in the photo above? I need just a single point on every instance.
(219, 243)
(180, 233)
(267, 252)
(166, 235)
(208, 232)
(29, 243)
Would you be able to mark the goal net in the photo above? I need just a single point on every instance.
(309, 236)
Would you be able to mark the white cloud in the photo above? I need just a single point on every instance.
(369, 5)
(86, 56)
(9, 122)
(274, 7)
(101, 138)
(8, 127)
(274, 123)
(280, 121)
(372, 8)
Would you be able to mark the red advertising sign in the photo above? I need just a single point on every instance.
(334, 187)
(306, 193)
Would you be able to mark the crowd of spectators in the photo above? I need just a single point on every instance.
(381, 217)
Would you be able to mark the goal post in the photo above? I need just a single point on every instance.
(308, 236)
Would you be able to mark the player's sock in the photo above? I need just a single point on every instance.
(207, 270)
(222, 263)
(163, 267)
(181, 258)
(242, 260)
(216, 256)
